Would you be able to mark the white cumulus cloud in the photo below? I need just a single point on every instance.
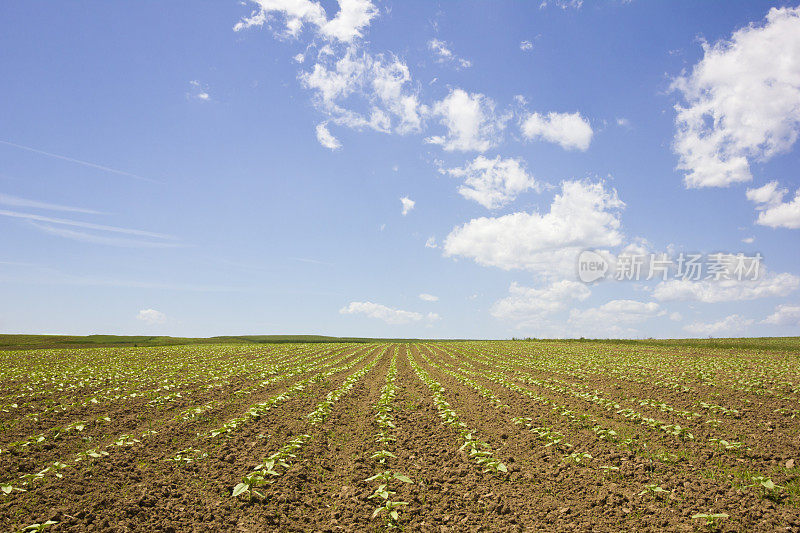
(614, 313)
(730, 324)
(386, 314)
(569, 130)
(428, 297)
(348, 24)
(493, 182)
(584, 215)
(198, 91)
(151, 316)
(730, 290)
(471, 122)
(325, 137)
(741, 102)
(407, 205)
(784, 315)
(773, 211)
(360, 90)
(526, 305)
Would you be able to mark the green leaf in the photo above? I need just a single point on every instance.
(240, 488)
(502, 468)
(401, 477)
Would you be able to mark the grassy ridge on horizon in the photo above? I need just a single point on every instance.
(36, 342)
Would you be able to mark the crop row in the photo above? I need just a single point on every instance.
(278, 462)
(386, 480)
(478, 450)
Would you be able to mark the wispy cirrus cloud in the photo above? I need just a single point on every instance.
(444, 54)
(312, 261)
(98, 233)
(100, 239)
(79, 161)
(36, 274)
(85, 225)
(16, 201)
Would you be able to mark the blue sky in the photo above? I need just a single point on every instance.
(397, 169)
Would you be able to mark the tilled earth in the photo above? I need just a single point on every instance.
(641, 478)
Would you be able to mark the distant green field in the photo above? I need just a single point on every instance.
(32, 342)
(784, 344)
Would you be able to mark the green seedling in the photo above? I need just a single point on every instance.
(384, 438)
(655, 490)
(388, 475)
(382, 492)
(90, 454)
(189, 455)
(392, 516)
(247, 484)
(768, 488)
(40, 527)
(382, 455)
(725, 444)
(6, 488)
(578, 457)
(711, 520)
(125, 440)
(606, 434)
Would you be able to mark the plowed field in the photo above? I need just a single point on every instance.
(457, 436)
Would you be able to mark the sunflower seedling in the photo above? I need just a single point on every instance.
(768, 488)
(388, 475)
(7, 488)
(578, 457)
(392, 516)
(382, 455)
(40, 527)
(247, 484)
(711, 519)
(655, 490)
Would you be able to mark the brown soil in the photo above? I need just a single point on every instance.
(139, 487)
